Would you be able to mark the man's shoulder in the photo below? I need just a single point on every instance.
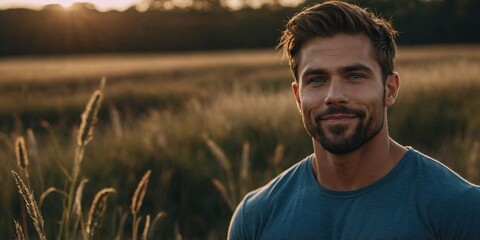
(435, 173)
(439, 183)
(280, 186)
(252, 213)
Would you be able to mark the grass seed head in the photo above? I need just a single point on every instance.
(139, 194)
(78, 197)
(97, 211)
(31, 205)
(19, 231)
(89, 118)
(21, 152)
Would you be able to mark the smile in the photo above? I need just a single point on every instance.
(338, 118)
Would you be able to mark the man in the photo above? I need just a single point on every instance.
(359, 183)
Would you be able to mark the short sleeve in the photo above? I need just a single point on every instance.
(464, 219)
(236, 230)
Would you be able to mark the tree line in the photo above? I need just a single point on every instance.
(211, 25)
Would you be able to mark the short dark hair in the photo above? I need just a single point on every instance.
(333, 17)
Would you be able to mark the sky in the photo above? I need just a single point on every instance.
(102, 5)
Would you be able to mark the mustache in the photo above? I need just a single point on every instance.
(339, 110)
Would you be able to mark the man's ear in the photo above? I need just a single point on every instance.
(296, 89)
(392, 86)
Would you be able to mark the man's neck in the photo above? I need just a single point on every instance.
(359, 168)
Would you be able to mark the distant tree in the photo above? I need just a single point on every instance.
(83, 6)
(198, 5)
(53, 7)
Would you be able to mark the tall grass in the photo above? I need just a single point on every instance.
(73, 225)
(156, 120)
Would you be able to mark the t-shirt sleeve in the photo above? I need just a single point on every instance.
(464, 219)
(237, 229)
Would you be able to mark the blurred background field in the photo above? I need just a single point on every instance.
(197, 94)
(158, 109)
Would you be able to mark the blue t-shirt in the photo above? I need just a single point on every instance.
(419, 198)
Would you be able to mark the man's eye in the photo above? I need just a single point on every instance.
(355, 76)
(317, 80)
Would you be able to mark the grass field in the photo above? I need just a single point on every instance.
(172, 113)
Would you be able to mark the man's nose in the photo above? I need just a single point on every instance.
(336, 93)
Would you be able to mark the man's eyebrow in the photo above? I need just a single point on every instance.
(356, 67)
(342, 70)
(315, 71)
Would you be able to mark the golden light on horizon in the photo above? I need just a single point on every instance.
(99, 4)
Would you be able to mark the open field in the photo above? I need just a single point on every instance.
(159, 109)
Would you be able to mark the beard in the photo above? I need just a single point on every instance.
(336, 139)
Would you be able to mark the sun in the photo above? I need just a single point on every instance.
(63, 3)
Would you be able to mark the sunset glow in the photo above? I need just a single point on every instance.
(38, 4)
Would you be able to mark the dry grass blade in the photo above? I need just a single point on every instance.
(278, 155)
(223, 191)
(19, 231)
(227, 167)
(31, 204)
(121, 225)
(32, 144)
(21, 153)
(77, 205)
(139, 194)
(153, 227)
(103, 82)
(116, 122)
(48, 191)
(97, 211)
(146, 228)
(89, 118)
(178, 235)
(245, 169)
(219, 154)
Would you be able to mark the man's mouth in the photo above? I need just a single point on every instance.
(339, 115)
(337, 118)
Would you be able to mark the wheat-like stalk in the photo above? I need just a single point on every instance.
(77, 208)
(31, 204)
(85, 134)
(225, 164)
(229, 194)
(89, 118)
(137, 201)
(22, 162)
(219, 154)
(21, 153)
(97, 211)
(139, 194)
(77, 205)
(146, 228)
(19, 231)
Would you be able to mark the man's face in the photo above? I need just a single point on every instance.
(340, 93)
